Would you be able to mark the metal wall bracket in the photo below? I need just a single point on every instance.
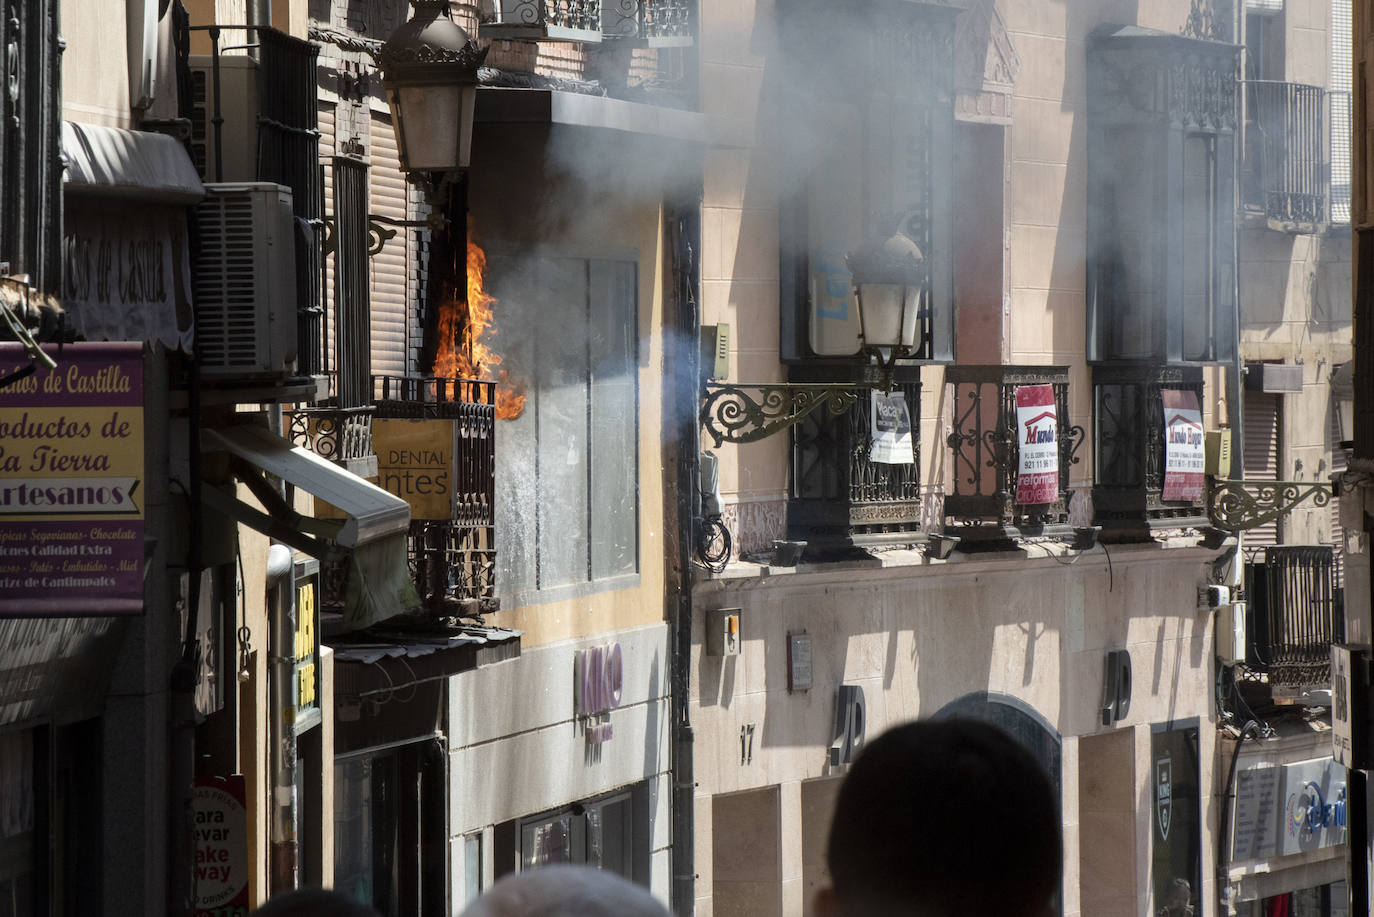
(745, 413)
(1234, 506)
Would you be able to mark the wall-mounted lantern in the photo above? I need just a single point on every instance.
(429, 71)
(891, 295)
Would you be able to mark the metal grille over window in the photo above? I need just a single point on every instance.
(30, 144)
(840, 492)
(1129, 450)
(353, 344)
(1292, 604)
(1285, 152)
(288, 153)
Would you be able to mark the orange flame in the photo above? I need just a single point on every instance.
(464, 349)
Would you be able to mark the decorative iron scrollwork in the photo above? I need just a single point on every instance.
(747, 413)
(1234, 506)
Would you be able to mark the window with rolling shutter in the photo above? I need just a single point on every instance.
(30, 144)
(391, 266)
(353, 346)
(1337, 467)
(1261, 457)
(327, 146)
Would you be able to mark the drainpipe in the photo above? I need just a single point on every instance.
(281, 610)
(687, 246)
(260, 12)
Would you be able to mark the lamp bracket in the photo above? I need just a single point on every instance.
(748, 412)
(1234, 506)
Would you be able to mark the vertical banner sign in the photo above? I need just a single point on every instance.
(221, 847)
(891, 429)
(1185, 456)
(307, 642)
(71, 482)
(1037, 433)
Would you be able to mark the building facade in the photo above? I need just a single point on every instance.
(482, 527)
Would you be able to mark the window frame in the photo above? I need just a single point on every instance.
(1171, 118)
(911, 82)
(529, 588)
(31, 154)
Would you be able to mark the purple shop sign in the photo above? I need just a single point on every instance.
(72, 484)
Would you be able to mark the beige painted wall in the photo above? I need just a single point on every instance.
(580, 192)
(95, 70)
(917, 636)
(1044, 228)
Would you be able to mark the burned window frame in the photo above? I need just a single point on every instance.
(1169, 93)
(611, 542)
(30, 143)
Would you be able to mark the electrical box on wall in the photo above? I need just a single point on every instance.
(1217, 446)
(1210, 595)
(722, 632)
(715, 351)
(1231, 633)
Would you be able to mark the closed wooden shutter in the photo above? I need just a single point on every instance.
(391, 266)
(1261, 457)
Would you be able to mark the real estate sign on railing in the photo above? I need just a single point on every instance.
(1037, 433)
(1185, 457)
(72, 482)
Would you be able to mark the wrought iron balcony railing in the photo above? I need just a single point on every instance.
(1293, 617)
(1287, 173)
(659, 23)
(553, 20)
(838, 495)
(452, 554)
(985, 447)
(453, 559)
(341, 435)
(1129, 449)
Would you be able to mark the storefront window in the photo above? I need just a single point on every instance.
(388, 828)
(609, 833)
(1175, 848)
(17, 875)
(1321, 901)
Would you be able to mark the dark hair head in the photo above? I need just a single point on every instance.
(945, 817)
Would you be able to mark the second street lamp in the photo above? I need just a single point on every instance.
(892, 298)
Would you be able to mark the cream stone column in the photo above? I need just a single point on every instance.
(1144, 820)
(790, 844)
(1070, 819)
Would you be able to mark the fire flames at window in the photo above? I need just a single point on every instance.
(466, 326)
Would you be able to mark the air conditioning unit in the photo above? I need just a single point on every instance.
(238, 95)
(1231, 633)
(245, 280)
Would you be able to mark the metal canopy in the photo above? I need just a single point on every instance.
(503, 105)
(368, 512)
(113, 162)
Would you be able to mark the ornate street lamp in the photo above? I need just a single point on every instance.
(429, 70)
(890, 293)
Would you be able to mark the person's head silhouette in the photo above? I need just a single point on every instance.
(565, 891)
(942, 818)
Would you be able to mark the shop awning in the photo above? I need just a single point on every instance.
(366, 513)
(112, 162)
(128, 269)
